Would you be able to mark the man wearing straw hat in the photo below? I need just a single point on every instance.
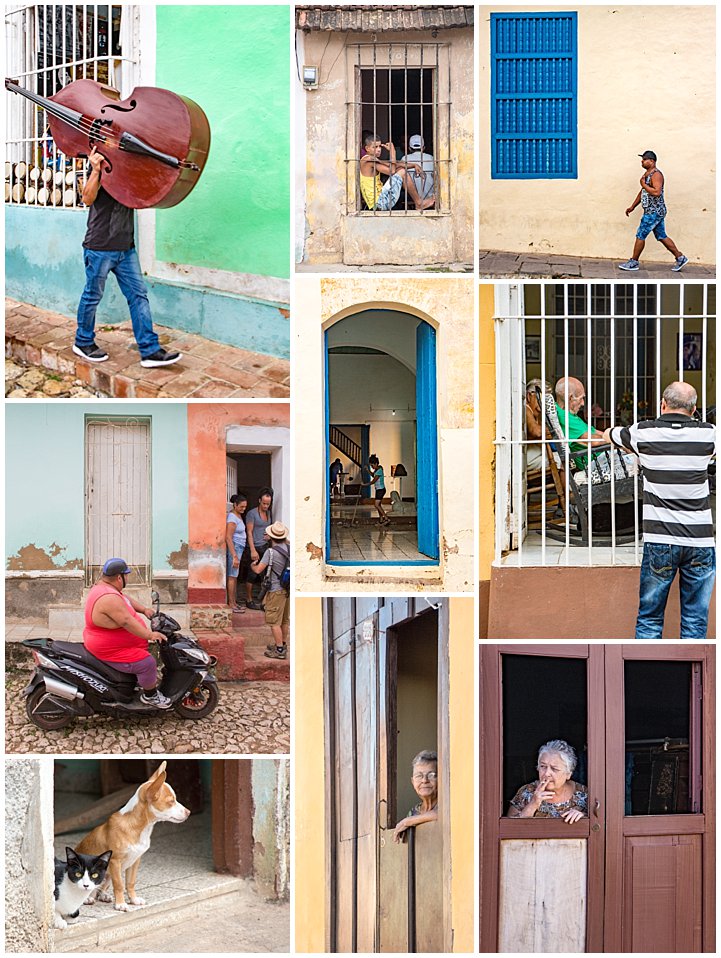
(275, 562)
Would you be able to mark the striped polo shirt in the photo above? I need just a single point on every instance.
(675, 452)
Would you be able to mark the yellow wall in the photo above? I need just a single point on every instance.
(309, 848)
(309, 775)
(646, 81)
(486, 429)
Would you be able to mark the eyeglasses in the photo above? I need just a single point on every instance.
(428, 776)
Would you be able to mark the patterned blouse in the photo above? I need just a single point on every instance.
(578, 800)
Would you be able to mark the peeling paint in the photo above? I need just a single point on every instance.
(315, 551)
(32, 557)
(179, 558)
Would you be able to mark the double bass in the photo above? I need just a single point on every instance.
(154, 142)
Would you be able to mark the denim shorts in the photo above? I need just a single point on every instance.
(388, 196)
(230, 571)
(651, 221)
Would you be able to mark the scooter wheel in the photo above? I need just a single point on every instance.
(46, 715)
(198, 704)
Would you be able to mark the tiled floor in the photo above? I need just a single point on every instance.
(375, 544)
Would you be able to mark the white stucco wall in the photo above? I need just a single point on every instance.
(646, 81)
(448, 304)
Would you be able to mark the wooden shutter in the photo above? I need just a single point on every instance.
(533, 96)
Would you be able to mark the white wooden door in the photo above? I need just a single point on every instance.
(117, 496)
(231, 477)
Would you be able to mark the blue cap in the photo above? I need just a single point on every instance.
(116, 567)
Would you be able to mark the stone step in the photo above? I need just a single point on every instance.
(61, 618)
(239, 661)
(95, 934)
(257, 636)
(259, 668)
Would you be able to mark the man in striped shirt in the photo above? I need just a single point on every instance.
(678, 535)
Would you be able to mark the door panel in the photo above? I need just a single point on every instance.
(426, 441)
(117, 496)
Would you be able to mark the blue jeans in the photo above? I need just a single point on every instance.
(126, 266)
(696, 566)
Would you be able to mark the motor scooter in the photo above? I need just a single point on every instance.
(69, 682)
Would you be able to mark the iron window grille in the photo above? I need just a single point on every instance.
(625, 342)
(534, 95)
(48, 46)
(396, 90)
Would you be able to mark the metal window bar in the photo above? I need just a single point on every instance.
(622, 304)
(429, 63)
(37, 173)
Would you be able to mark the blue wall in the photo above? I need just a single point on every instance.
(44, 267)
(45, 475)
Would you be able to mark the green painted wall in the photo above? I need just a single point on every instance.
(233, 61)
(45, 476)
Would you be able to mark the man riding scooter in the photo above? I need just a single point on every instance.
(115, 633)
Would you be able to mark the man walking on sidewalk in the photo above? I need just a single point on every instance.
(678, 535)
(650, 196)
(109, 246)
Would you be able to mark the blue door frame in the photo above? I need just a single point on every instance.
(426, 453)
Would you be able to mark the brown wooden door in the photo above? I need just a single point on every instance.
(648, 850)
(659, 863)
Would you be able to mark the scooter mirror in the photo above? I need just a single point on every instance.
(156, 598)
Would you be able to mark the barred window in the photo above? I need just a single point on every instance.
(48, 46)
(556, 501)
(400, 92)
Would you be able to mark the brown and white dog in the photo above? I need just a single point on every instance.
(127, 832)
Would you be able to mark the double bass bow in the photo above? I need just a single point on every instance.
(154, 142)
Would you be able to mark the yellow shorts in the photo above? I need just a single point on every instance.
(277, 608)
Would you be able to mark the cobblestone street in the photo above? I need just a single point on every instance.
(252, 718)
(35, 382)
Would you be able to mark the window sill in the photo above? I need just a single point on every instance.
(421, 214)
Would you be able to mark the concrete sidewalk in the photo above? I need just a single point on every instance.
(500, 264)
(208, 370)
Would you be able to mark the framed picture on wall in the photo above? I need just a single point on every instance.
(692, 351)
(533, 349)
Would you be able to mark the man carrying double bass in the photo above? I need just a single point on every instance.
(109, 246)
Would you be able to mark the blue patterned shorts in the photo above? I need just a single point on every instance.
(651, 221)
(388, 196)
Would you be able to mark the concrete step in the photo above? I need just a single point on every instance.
(259, 668)
(239, 661)
(93, 934)
(251, 618)
(257, 636)
(61, 618)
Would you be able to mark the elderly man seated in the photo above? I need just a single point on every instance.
(570, 399)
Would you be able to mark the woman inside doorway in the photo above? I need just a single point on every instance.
(379, 481)
(257, 521)
(424, 776)
(235, 541)
(554, 794)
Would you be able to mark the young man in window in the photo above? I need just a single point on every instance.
(109, 246)
(650, 196)
(384, 196)
(425, 184)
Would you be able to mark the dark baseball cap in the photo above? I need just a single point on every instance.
(116, 567)
(648, 155)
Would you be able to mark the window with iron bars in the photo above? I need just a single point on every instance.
(398, 91)
(556, 502)
(48, 46)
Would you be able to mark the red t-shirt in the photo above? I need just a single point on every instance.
(111, 645)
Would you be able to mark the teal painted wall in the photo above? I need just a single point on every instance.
(45, 470)
(44, 267)
(233, 61)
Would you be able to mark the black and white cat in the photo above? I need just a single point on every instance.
(75, 881)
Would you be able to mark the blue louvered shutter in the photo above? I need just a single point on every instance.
(533, 96)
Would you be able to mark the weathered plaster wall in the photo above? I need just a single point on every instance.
(45, 483)
(309, 835)
(28, 867)
(585, 217)
(238, 216)
(486, 449)
(271, 827)
(44, 267)
(208, 425)
(446, 303)
(329, 235)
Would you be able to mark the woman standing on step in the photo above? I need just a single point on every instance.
(257, 522)
(235, 541)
